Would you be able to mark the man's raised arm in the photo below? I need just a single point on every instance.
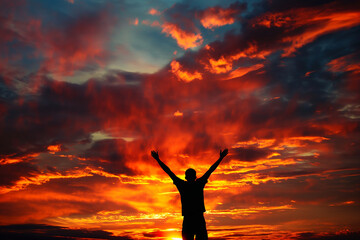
(216, 164)
(155, 155)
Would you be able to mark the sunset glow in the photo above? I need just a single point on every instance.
(89, 88)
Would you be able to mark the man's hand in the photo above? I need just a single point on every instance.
(223, 153)
(216, 164)
(166, 169)
(155, 155)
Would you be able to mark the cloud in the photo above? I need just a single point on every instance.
(268, 33)
(182, 75)
(178, 22)
(154, 11)
(348, 65)
(10, 173)
(39, 177)
(249, 154)
(184, 39)
(109, 154)
(217, 16)
(291, 135)
(344, 64)
(79, 44)
(34, 115)
(42, 231)
(323, 20)
(241, 71)
(328, 236)
(14, 29)
(73, 44)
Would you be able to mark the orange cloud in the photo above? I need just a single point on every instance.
(154, 11)
(224, 63)
(217, 17)
(221, 65)
(273, 20)
(178, 113)
(342, 203)
(279, 144)
(41, 178)
(183, 38)
(240, 213)
(260, 143)
(183, 75)
(241, 71)
(136, 21)
(11, 160)
(54, 148)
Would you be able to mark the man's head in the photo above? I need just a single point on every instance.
(190, 175)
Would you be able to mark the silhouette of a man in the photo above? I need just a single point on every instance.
(192, 198)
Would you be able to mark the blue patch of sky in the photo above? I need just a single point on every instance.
(148, 48)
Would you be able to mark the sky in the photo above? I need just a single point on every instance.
(89, 87)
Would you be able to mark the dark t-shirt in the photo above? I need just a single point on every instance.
(192, 195)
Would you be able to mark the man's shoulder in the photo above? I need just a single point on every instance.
(178, 181)
(202, 180)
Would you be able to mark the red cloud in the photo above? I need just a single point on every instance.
(323, 20)
(346, 63)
